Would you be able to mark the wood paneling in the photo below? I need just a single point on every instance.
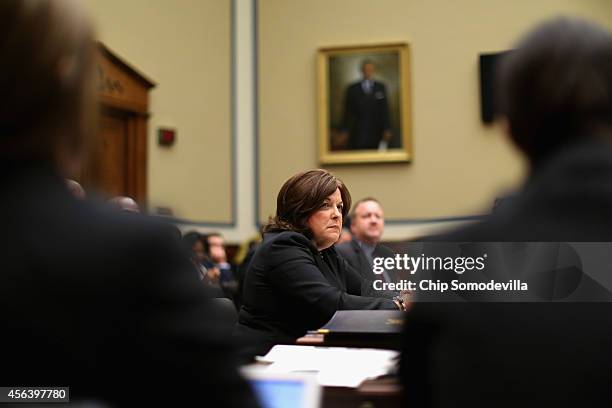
(110, 154)
(118, 162)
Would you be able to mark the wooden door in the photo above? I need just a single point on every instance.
(117, 164)
(108, 165)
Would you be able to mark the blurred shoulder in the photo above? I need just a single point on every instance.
(116, 242)
(106, 222)
(497, 227)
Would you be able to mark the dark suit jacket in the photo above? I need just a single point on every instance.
(366, 116)
(353, 254)
(523, 354)
(104, 302)
(291, 287)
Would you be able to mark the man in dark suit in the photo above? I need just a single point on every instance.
(365, 121)
(367, 226)
(103, 303)
(556, 98)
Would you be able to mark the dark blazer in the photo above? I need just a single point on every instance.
(291, 287)
(353, 254)
(365, 116)
(523, 354)
(104, 302)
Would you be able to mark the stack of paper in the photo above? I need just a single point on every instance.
(333, 366)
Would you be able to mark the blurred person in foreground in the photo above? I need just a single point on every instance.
(296, 280)
(90, 299)
(556, 102)
(367, 226)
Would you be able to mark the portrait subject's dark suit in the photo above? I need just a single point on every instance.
(366, 115)
(354, 255)
(103, 302)
(523, 354)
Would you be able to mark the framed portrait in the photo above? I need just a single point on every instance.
(363, 104)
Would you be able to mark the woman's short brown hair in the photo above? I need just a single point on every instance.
(301, 196)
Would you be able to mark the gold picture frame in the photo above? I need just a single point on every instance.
(363, 104)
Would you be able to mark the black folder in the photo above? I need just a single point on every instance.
(364, 328)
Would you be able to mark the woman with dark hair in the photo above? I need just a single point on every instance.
(296, 281)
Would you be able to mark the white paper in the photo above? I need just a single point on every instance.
(333, 366)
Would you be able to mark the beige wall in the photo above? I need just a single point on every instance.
(459, 164)
(185, 47)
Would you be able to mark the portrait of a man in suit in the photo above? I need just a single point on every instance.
(364, 113)
(366, 123)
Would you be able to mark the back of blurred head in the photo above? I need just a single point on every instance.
(47, 77)
(556, 87)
